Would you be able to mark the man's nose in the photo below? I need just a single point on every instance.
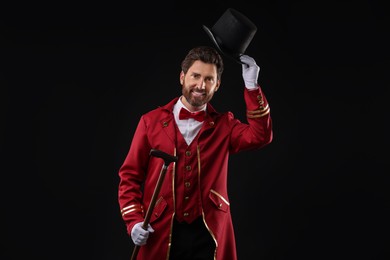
(202, 83)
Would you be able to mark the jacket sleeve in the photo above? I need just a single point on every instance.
(132, 174)
(257, 132)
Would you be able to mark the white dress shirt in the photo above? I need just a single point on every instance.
(189, 128)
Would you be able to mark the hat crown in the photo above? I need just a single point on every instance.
(232, 33)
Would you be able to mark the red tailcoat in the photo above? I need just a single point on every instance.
(220, 136)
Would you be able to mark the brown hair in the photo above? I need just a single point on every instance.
(205, 54)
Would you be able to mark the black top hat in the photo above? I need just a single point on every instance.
(232, 33)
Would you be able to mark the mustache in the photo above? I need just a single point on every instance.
(198, 91)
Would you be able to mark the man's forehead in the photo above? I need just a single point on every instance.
(200, 67)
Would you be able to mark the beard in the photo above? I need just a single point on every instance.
(194, 99)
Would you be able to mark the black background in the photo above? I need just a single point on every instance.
(75, 79)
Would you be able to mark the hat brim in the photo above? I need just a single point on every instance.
(235, 57)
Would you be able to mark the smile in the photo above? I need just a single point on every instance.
(197, 94)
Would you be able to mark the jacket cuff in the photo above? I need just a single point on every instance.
(256, 103)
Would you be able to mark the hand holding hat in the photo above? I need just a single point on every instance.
(250, 71)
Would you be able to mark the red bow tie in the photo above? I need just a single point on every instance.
(185, 114)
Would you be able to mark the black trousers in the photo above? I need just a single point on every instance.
(191, 241)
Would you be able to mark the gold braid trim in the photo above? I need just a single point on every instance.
(131, 208)
(258, 110)
(257, 113)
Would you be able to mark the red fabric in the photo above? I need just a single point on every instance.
(185, 114)
(188, 201)
(221, 136)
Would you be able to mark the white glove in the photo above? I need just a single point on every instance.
(250, 71)
(140, 235)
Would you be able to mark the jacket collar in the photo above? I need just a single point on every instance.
(167, 121)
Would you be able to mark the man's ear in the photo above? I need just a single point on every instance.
(181, 78)
(218, 84)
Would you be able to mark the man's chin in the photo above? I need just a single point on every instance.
(197, 102)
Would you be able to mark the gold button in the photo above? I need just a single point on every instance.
(187, 184)
(220, 205)
(211, 123)
(165, 124)
(188, 153)
(188, 167)
(186, 214)
(186, 198)
(259, 97)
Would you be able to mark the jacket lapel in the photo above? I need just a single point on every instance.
(168, 127)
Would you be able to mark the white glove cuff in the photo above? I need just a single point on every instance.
(251, 87)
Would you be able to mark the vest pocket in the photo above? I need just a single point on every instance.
(220, 202)
(159, 208)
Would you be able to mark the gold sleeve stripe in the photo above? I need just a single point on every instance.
(259, 110)
(257, 115)
(128, 207)
(131, 210)
(131, 206)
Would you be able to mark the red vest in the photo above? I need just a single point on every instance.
(188, 198)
